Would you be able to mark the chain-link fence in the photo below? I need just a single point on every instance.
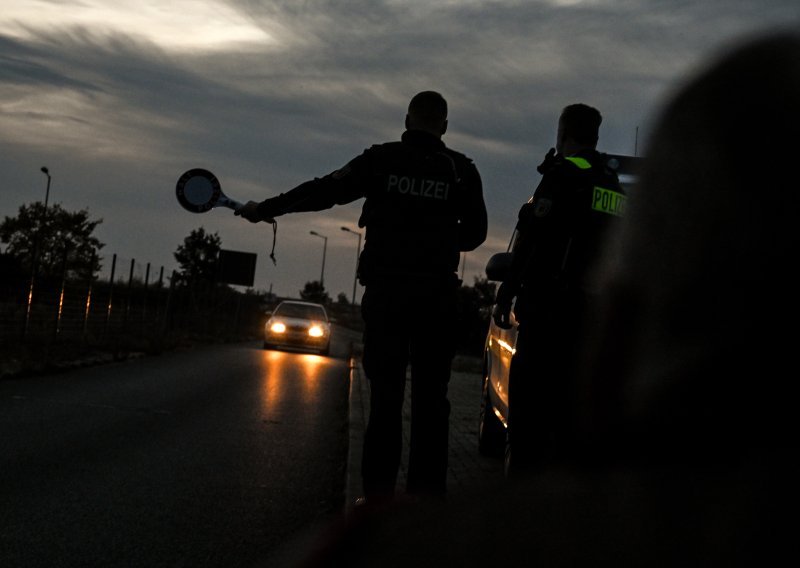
(128, 306)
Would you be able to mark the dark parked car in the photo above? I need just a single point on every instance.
(500, 348)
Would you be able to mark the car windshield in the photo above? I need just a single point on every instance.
(303, 311)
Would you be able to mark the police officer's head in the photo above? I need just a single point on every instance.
(578, 128)
(427, 111)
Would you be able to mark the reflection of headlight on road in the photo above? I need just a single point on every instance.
(316, 331)
(277, 327)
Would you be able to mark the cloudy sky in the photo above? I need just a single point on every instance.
(119, 97)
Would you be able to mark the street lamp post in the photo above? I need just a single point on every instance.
(46, 172)
(324, 251)
(358, 255)
(47, 193)
(35, 262)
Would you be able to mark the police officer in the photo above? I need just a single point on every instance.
(560, 234)
(423, 205)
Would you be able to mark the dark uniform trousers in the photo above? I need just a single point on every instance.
(542, 380)
(408, 322)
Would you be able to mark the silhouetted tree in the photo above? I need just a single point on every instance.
(43, 235)
(314, 291)
(12, 276)
(342, 300)
(197, 257)
(474, 310)
(485, 292)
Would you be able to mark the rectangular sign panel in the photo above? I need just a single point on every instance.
(237, 267)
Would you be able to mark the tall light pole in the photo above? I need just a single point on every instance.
(324, 251)
(358, 255)
(46, 172)
(35, 262)
(47, 193)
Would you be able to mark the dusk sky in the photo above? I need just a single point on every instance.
(119, 98)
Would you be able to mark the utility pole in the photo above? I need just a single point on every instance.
(324, 251)
(358, 256)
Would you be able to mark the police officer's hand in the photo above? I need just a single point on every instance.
(251, 212)
(549, 160)
(502, 315)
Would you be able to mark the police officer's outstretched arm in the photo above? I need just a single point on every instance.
(341, 186)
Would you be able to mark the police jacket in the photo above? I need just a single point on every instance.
(561, 231)
(424, 204)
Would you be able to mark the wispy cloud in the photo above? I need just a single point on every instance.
(118, 98)
(178, 25)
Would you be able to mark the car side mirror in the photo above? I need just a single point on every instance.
(498, 266)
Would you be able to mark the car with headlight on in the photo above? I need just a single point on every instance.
(299, 325)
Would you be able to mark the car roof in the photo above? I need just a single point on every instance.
(301, 302)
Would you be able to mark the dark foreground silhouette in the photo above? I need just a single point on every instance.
(684, 451)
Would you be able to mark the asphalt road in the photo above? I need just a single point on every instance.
(205, 458)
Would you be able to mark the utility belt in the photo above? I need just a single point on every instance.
(421, 281)
(373, 270)
(544, 299)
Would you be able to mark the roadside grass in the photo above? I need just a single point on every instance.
(37, 356)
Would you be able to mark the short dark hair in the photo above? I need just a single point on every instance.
(581, 123)
(428, 108)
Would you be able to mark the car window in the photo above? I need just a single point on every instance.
(303, 311)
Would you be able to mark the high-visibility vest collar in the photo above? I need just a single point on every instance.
(582, 163)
